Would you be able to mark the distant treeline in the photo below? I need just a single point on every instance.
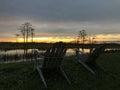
(13, 46)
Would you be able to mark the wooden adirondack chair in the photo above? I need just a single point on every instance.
(52, 61)
(88, 61)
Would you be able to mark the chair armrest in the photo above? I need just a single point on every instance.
(38, 58)
(37, 54)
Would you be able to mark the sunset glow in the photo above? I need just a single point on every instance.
(61, 20)
(98, 38)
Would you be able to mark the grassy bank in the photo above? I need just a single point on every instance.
(21, 76)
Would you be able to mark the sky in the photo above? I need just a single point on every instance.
(55, 20)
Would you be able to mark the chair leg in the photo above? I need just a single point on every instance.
(41, 76)
(64, 75)
(86, 66)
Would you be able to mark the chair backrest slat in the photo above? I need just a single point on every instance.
(96, 53)
(54, 55)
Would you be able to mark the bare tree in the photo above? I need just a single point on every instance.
(17, 36)
(32, 34)
(82, 38)
(27, 32)
(91, 42)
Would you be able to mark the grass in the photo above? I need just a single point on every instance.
(21, 76)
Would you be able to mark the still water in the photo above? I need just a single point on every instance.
(20, 51)
(18, 55)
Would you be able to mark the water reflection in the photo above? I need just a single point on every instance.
(17, 55)
(12, 52)
(20, 51)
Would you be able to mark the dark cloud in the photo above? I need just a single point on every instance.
(95, 16)
(62, 10)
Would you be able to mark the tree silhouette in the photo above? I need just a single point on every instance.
(82, 38)
(27, 32)
(32, 34)
(17, 36)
